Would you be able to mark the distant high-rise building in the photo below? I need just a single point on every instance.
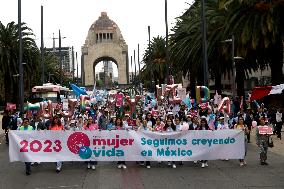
(66, 53)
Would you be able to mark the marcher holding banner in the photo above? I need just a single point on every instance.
(91, 126)
(203, 126)
(170, 127)
(145, 127)
(57, 126)
(240, 125)
(262, 139)
(119, 126)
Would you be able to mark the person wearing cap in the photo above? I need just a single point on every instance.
(128, 123)
(189, 122)
(262, 142)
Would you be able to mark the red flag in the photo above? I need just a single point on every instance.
(260, 92)
(10, 106)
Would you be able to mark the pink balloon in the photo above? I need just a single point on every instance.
(254, 124)
(225, 105)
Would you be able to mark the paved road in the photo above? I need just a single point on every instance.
(219, 174)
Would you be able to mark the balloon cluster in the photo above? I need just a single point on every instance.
(225, 105)
(206, 94)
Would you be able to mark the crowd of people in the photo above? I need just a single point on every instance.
(156, 119)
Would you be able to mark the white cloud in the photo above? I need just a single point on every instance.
(74, 17)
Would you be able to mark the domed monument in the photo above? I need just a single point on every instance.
(104, 42)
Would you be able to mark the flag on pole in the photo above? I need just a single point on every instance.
(260, 92)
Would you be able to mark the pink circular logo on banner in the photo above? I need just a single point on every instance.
(76, 141)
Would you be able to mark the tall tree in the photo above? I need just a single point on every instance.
(154, 59)
(9, 47)
(258, 26)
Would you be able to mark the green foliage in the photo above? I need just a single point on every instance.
(256, 24)
(9, 53)
(155, 62)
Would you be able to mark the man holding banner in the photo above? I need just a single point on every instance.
(263, 133)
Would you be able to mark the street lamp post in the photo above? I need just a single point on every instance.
(21, 83)
(42, 47)
(77, 69)
(167, 39)
(204, 45)
(232, 40)
(60, 58)
(49, 74)
(150, 61)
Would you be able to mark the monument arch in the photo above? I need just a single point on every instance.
(104, 42)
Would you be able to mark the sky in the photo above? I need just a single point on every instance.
(74, 18)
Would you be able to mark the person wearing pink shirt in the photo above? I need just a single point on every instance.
(91, 126)
(159, 125)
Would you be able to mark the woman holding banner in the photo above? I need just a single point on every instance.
(170, 127)
(57, 126)
(203, 126)
(91, 126)
(119, 126)
(145, 127)
(159, 124)
(241, 125)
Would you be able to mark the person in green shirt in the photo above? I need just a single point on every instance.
(26, 127)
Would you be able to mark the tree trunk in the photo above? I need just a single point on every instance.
(277, 62)
(240, 78)
(8, 88)
(192, 81)
(218, 83)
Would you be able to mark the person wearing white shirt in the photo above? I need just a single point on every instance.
(279, 123)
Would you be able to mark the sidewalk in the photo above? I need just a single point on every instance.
(1, 131)
(278, 144)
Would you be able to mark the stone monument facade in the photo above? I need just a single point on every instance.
(104, 42)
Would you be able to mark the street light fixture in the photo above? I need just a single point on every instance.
(232, 40)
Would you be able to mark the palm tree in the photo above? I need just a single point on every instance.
(258, 29)
(186, 43)
(154, 58)
(9, 49)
